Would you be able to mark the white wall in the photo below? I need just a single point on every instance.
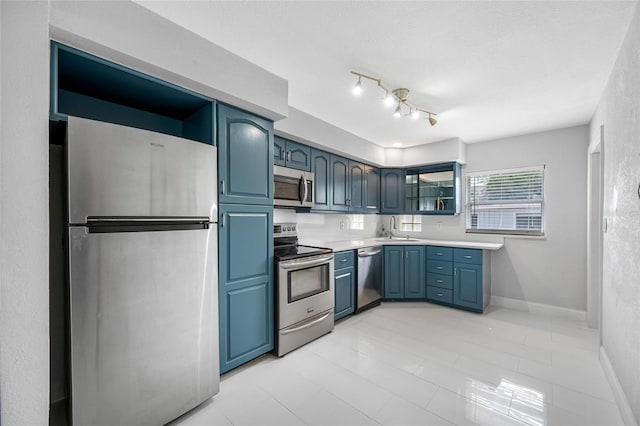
(552, 270)
(130, 34)
(436, 152)
(619, 112)
(24, 219)
(308, 129)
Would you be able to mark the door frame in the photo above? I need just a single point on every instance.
(595, 231)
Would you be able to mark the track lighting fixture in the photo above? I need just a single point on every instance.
(397, 97)
(357, 89)
(389, 100)
(398, 112)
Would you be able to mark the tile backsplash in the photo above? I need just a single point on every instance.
(320, 227)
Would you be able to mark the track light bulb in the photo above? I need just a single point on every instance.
(388, 100)
(432, 121)
(357, 89)
(397, 113)
(415, 114)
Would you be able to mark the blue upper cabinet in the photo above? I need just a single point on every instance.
(340, 188)
(298, 156)
(279, 151)
(357, 187)
(291, 154)
(321, 169)
(433, 189)
(86, 86)
(245, 157)
(372, 189)
(392, 183)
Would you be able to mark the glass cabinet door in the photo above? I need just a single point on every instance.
(433, 189)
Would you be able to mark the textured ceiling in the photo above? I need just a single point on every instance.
(488, 68)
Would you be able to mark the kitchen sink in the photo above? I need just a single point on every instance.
(396, 239)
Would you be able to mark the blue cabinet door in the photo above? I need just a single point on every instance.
(340, 187)
(433, 189)
(279, 149)
(392, 190)
(372, 189)
(467, 286)
(393, 272)
(298, 156)
(414, 276)
(357, 182)
(245, 283)
(344, 293)
(245, 157)
(321, 168)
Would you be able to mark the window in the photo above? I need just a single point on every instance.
(410, 223)
(357, 222)
(506, 202)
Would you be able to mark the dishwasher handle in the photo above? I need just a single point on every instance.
(369, 253)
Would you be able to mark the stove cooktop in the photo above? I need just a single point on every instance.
(289, 252)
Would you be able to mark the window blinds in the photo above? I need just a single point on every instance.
(506, 202)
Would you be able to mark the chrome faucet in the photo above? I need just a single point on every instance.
(392, 219)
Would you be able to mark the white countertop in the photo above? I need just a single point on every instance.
(370, 242)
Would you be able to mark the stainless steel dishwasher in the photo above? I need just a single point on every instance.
(369, 277)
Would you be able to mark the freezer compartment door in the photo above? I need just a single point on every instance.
(118, 171)
(144, 324)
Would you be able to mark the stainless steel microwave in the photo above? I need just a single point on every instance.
(292, 188)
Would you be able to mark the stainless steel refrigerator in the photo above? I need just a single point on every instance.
(143, 274)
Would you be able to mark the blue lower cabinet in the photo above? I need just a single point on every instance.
(404, 272)
(245, 283)
(414, 277)
(458, 277)
(467, 286)
(438, 294)
(393, 272)
(344, 284)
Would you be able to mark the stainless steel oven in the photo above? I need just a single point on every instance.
(305, 290)
(292, 188)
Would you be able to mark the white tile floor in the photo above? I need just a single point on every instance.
(423, 364)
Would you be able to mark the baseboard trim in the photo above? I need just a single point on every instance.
(538, 308)
(618, 394)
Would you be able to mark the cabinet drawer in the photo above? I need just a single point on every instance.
(439, 280)
(440, 253)
(439, 267)
(468, 256)
(343, 259)
(439, 294)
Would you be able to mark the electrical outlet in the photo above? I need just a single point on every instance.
(342, 224)
(439, 226)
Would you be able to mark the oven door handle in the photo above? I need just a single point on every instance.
(308, 324)
(298, 265)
